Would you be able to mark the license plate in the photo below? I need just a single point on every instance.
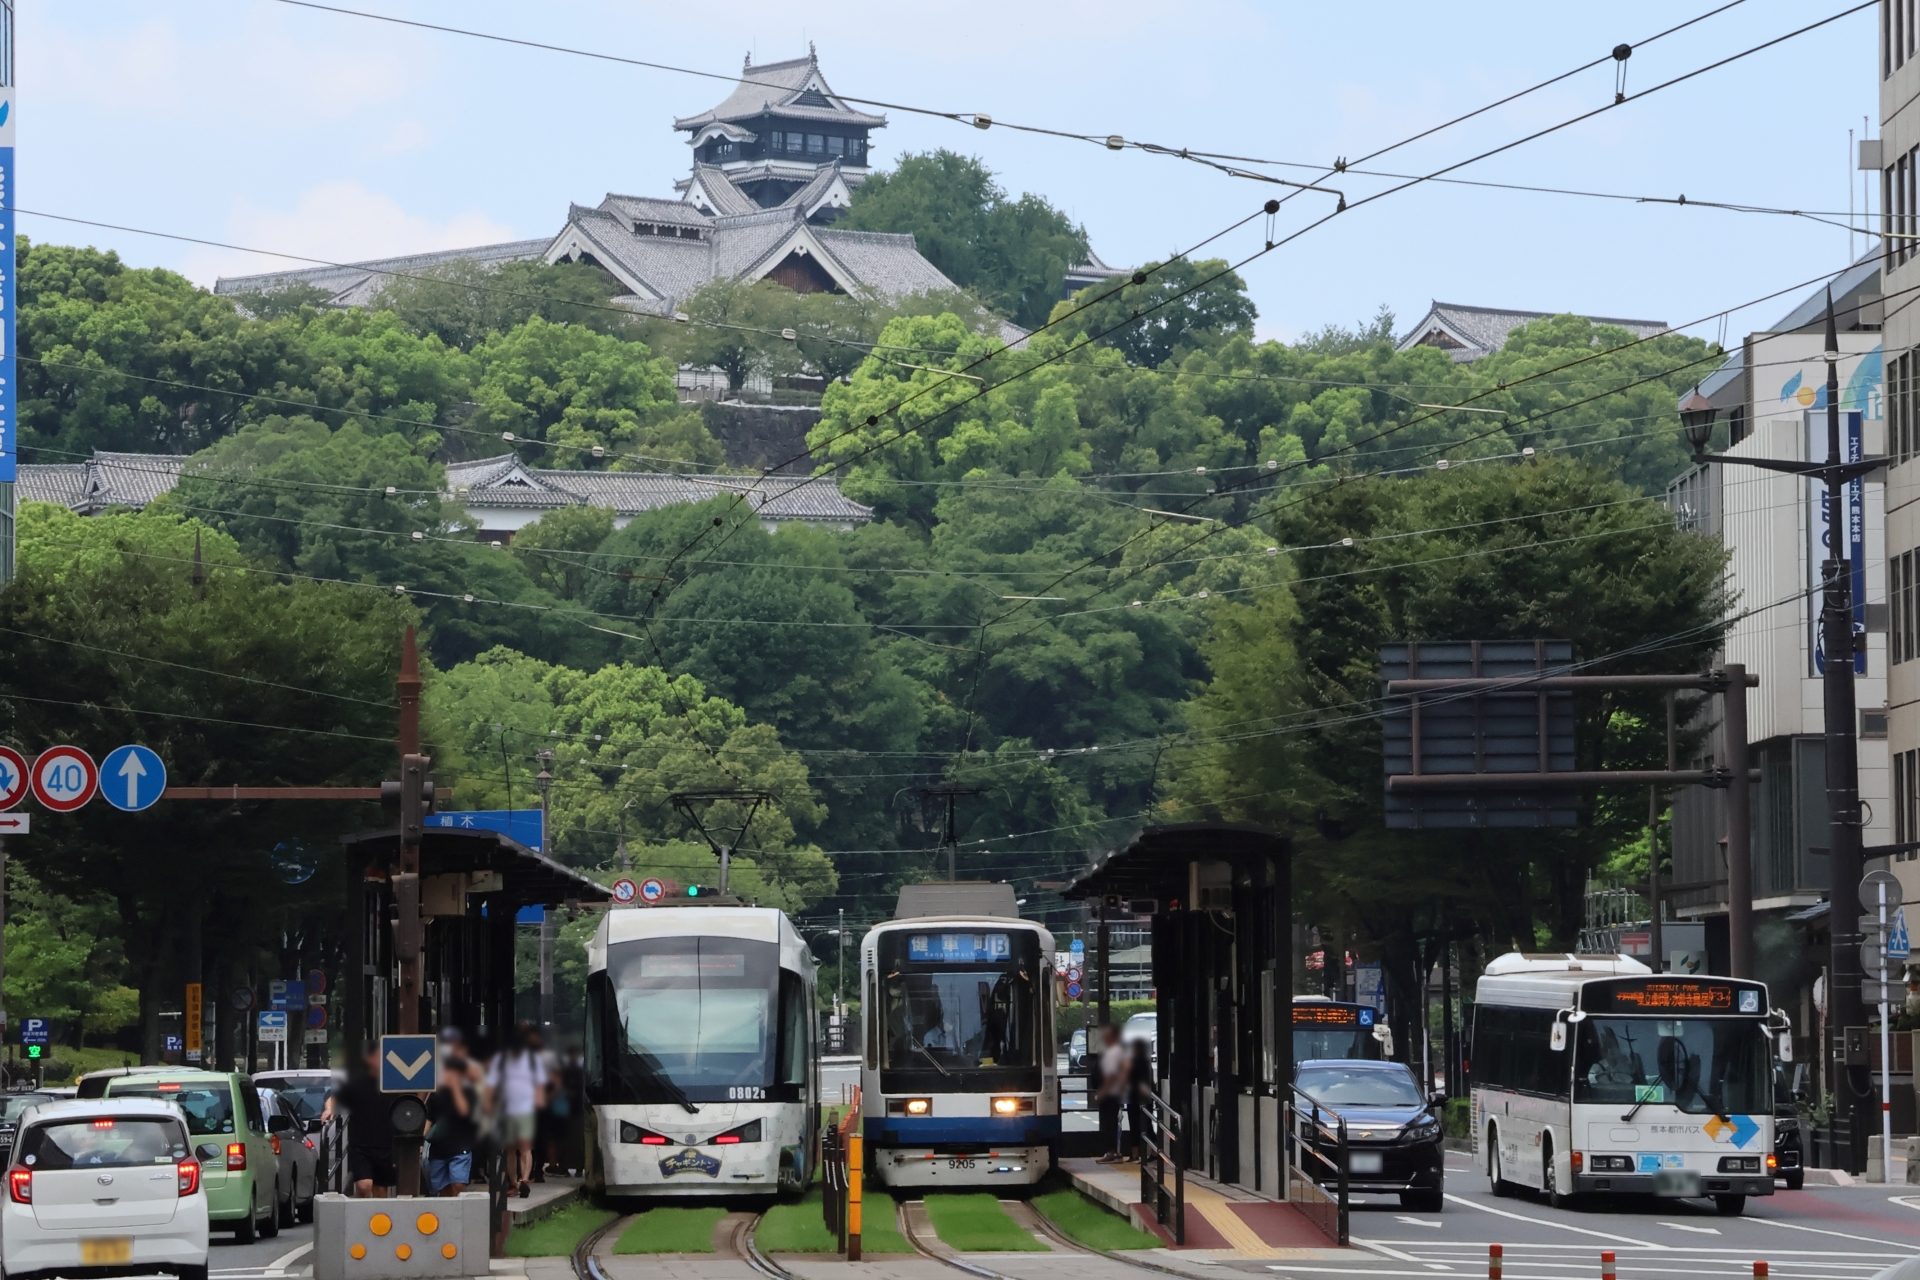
(106, 1251)
(1676, 1182)
(960, 1162)
(1365, 1162)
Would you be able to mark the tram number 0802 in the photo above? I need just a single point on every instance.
(959, 1162)
(746, 1093)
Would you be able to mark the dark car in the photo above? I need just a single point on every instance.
(11, 1107)
(1393, 1128)
(1789, 1141)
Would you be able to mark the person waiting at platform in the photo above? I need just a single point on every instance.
(1112, 1092)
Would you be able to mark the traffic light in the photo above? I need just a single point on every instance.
(413, 793)
(34, 1051)
(694, 891)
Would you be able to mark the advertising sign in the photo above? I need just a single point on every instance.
(195, 1015)
(1820, 538)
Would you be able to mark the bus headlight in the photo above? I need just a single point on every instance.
(909, 1106)
(1013, 1106)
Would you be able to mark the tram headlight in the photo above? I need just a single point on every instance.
(634, 1133)
(909, 1106)
(1013, 1106)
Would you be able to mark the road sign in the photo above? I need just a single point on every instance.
(624, 890)
(194, 1016)
(273, 1026)
(13, 777)
(1870, 885)
(1073, 991)
(316, 981)
(133, 777)
(173, 1044)
(1872, 957)
(1073, 975)
(285, 994)
(1077, 946)
(316, 1016)
(1872, 993)
(35, 1031)
(1899, 948)
(64, 778)
(242, 998)
(407, 1064)
(652, 890)
(315, 1037)
(15, 824)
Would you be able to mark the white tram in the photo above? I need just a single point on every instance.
(701, 1063)
(959, 1083)
(1593, 1075)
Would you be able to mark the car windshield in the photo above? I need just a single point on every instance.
(209, 1107)
(1141, 1026)
(98, 1142)
(1703, 1066)
(304, 1097)
(17, 1103)
(1355, 1087)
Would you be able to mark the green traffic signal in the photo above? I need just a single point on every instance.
(33, 1051)
(693, 891)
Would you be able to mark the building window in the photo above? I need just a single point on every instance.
(1896, 35)
(1902, 626)
(856, 147)
(1898, 203)
(836, 145)
(1906, 801)
(816, 144)
(777, 141)
(1897, 373)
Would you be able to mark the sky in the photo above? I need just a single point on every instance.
(276, 127)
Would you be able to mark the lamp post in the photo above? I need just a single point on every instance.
(544, 781)
(1838, 643)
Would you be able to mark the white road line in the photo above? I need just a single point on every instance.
(1511, 1248)
(1688, 1226)
(1380, 1248)
(278, 1267)
(1906, 1202)
(1844, 1235)
(1561, 1226)
(1418, 1222)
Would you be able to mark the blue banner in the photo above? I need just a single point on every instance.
(521, 824)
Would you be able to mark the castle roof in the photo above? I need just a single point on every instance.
(794, 88)
(1468, 333)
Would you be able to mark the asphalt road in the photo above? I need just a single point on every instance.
(288, 1255)
(1835, 1233)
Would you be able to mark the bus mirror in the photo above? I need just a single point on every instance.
(1786, 1046)
(1384, 1034)
(1558, 1042)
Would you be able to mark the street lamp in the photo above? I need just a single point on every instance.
(1838, 645)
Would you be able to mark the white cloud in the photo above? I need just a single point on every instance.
(337, 221)
(406, 135)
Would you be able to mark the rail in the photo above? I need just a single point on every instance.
(1159, 1140)
(1317, 1155)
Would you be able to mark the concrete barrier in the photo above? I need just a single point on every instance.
(399, 1239)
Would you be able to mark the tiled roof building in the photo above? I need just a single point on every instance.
(104, 481)
(1468, 333)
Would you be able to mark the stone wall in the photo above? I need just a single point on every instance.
(762, 435)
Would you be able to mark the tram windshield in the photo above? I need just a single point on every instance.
(1703, 1066)
(959, 1002)
(693, 1019)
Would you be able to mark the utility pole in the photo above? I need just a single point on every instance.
(9, 384)
(544, 781)
(1838, 646)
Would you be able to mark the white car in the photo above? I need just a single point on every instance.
(108, 1185)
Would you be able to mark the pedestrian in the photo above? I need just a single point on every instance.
(1139, 1089)
(369, 1130)
(453, 1116)
(1113, 1091)
(519, 1078)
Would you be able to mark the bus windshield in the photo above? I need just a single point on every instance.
(1703, 1066)
(959, 1020)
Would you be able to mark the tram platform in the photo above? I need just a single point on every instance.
(1220, 1217)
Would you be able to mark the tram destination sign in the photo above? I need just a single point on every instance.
(958, 948)
(1673, 995)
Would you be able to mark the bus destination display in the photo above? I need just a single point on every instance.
(1677, 995)
(958, 948)
(1331, 1015)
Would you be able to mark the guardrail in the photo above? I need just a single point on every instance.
(1317, 1155)
(1159, 1140)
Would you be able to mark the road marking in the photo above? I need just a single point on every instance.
(1548, 1222)
(1906, 1202)
(278, 1267)
(1380, 1248)
(1417, 1222)
(1687, 1226)
(1844, 1235)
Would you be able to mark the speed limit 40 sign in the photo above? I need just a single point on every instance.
(64, 778)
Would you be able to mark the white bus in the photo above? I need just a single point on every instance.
(701, 1064)
(1595, 1075)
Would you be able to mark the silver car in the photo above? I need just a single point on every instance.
(297, 1180)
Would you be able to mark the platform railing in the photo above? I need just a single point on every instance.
(1159, 1141)
(1317, 1158)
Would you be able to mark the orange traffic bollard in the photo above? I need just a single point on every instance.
(1493, 1262)
(1760, 1270)
(1606, 1264)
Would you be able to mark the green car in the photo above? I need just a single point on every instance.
(229, 1135)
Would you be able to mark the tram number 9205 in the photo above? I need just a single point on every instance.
(746, 1093)
(960, 1162)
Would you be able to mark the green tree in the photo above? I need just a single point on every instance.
(1014, 253)
(462, 303)
(554, 549)
(735, 327)
(1179, 305)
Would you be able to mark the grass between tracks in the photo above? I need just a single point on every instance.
(555, 1236)
(796, 1227)
(670, 1229)
(1086, 1221)
(974, 1222)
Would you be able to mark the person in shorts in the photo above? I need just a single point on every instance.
(519, 1080)
(369, 1129)
(453, 1127)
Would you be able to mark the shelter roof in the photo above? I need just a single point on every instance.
(529, 876)
(1154, 863)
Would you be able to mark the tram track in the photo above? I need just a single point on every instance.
(585, 1265)
(912, 1226)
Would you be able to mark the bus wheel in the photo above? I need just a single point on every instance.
(1555, 1197)
(1501, 1187)
(1730, 1206)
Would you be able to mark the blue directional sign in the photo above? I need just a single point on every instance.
(35, 1031)
(1899, 946)
(173, 1044)
(132, 778)
(272, 1027)
(407, 1064)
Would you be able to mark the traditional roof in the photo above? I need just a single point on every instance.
(104, 481)
(794, 88)
(506, 481)
(354, 284)
(1468, 333)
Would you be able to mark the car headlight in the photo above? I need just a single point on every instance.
(1421, 1131)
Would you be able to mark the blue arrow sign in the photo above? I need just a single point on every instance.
(1898, 945)
(407, 1064)
(34, 1031)
(132, 778)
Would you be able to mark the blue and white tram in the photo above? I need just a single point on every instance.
(700, 1057)
(958, 1082)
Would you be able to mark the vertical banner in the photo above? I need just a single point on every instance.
(9, 397)
(1820, 537)
(195, 1014)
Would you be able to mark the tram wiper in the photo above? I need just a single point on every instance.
(652, 1070)
(928, 1053)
